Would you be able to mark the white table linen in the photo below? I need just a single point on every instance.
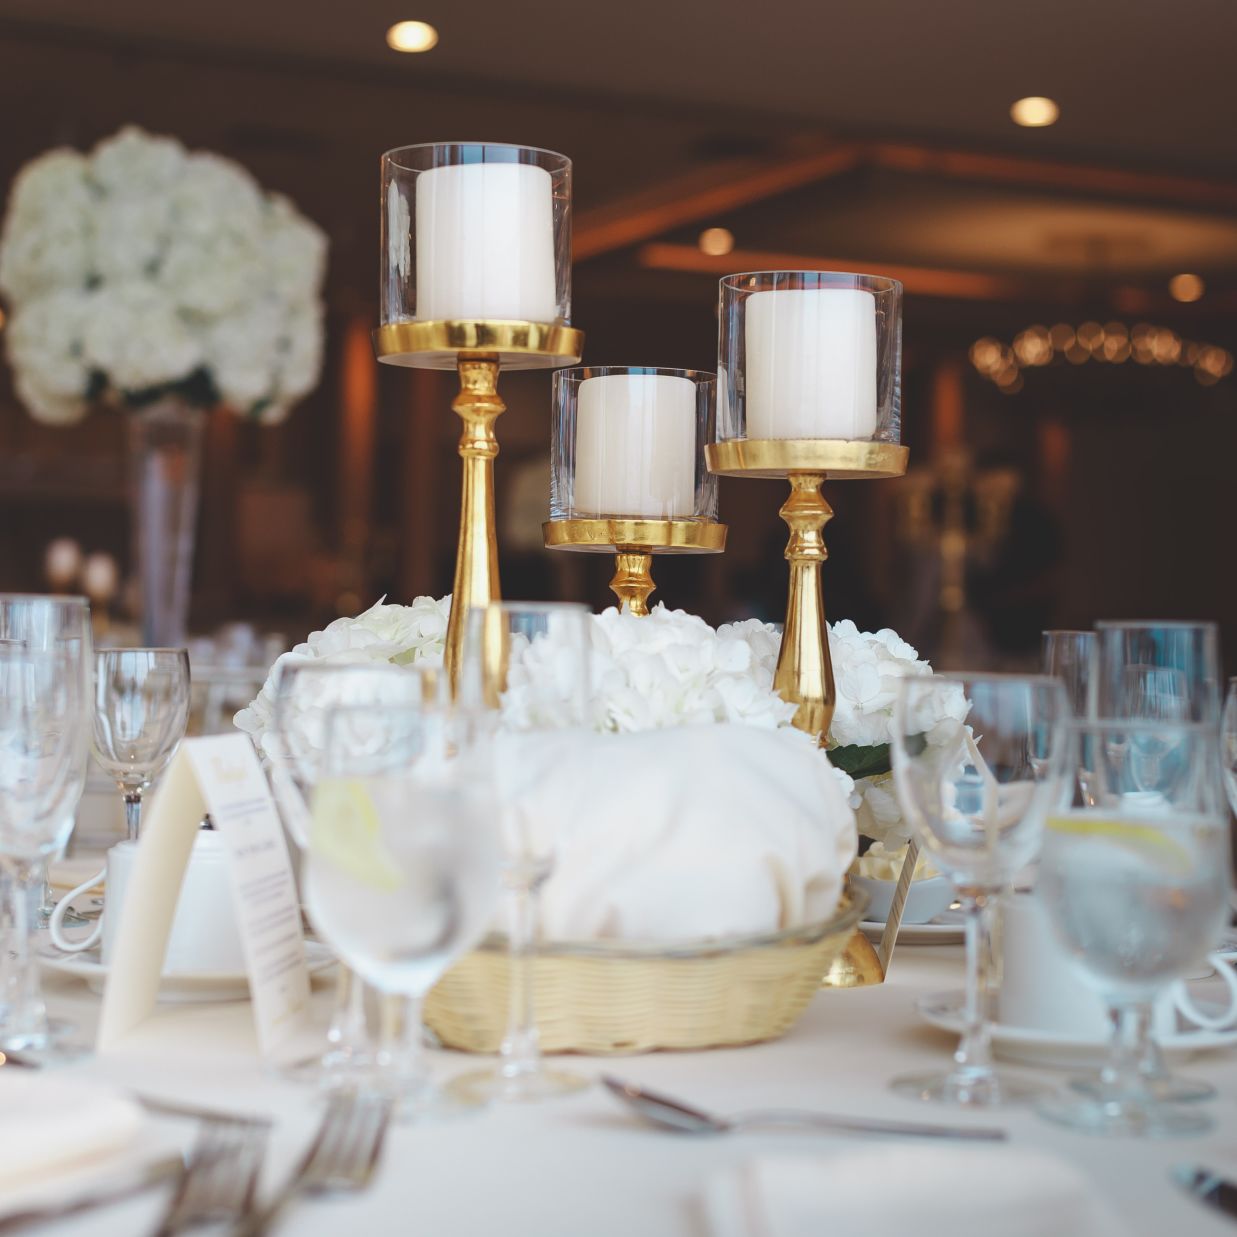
(583, 1165)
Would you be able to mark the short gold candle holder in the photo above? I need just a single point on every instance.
(804, 673)
(477, 350)
(633, 544)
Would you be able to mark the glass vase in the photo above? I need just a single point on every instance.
(165, 449)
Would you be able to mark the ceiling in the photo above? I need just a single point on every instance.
(1140, 82)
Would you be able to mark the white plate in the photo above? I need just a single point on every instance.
(173, 989)
(1060, 1049)
(946, 929)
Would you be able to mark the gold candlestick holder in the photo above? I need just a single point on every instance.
(477, 349)
(633, 544)
(804, 673)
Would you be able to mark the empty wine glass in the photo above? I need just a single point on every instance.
(529, 661)
(1137, 890)
(42, 770)
(977, 786)
(1071, 657)
(403, 869)
(307, 694)
(141, 709)
(1229, 741)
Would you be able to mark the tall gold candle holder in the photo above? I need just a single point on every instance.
(476, 240)
(628, 475)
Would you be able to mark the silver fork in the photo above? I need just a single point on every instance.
(341, 1158)
(220, 1177)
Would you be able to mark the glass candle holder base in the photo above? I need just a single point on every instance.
(981, 1089)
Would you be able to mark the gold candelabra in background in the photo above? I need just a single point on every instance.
(477, 349)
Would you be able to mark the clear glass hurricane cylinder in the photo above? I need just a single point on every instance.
(810, 355)
(475, 231)
(627, 442)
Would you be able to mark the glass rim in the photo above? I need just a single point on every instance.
(885, 283)
(1171, 624)
(1138, 724)
(141, 648)
(73, 599)
(637, 371)
(980, 676)
(391, 156)
(532, 607)
(1069, 631)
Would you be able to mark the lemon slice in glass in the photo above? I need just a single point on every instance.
(1157, 846)
(347, 834)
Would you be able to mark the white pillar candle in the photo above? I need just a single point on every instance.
(636, 447)
(485, 242)
(811, 363)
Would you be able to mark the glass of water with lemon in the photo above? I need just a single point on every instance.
(1137, 889)
(403, 869)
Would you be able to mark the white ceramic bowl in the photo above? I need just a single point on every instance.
(924, 902)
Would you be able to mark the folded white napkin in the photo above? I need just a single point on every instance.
(679, 834)
(927, 1191)
(52, 1124)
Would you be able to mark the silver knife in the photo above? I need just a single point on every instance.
(1208, 1187)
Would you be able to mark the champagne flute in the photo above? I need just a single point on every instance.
(977, 793)
(403, 868)
(507, 645)
(1071, 657)
(141, 710)
(307, 694)
(1137, 889)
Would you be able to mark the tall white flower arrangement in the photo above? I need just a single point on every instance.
(144, 269)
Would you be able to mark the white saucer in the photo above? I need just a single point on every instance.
(173, 989)
(946, 929)
(1060, 1049)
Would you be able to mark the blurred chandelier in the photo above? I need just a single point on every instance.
(1112, 342)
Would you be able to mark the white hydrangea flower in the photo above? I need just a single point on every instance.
(135, 337)
(402, 635)
(179, 262)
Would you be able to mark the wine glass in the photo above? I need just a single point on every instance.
(529, 663)
(141, 709)
(1229, 743)
(403, 869)
(977, 792)
(1071, 657)
(59, 625)
(1137, 889)
(42, 769)
(1157, 671)
(307, 693)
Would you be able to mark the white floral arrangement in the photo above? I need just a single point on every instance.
(401, 635)
(142, 269)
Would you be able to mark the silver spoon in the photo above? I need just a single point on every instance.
(671, 1114)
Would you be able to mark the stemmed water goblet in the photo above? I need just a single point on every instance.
(977, 787)
(42, 770)
(504, 643)
(1155, 671)
(1136, 887)
(402, 873)
(307, 694)
(141, 710)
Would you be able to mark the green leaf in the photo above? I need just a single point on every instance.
(861, 761)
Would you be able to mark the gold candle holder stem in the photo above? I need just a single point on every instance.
(476, 559)
(633, 578)
(804, 674)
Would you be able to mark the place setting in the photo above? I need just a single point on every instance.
(776, 924)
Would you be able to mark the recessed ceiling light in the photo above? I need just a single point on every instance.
(1034, 112)
(1186, 288)
(412, 36)
(716, 241)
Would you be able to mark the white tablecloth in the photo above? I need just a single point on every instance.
(583, 1166)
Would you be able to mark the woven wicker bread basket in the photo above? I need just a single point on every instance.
(616, 997)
